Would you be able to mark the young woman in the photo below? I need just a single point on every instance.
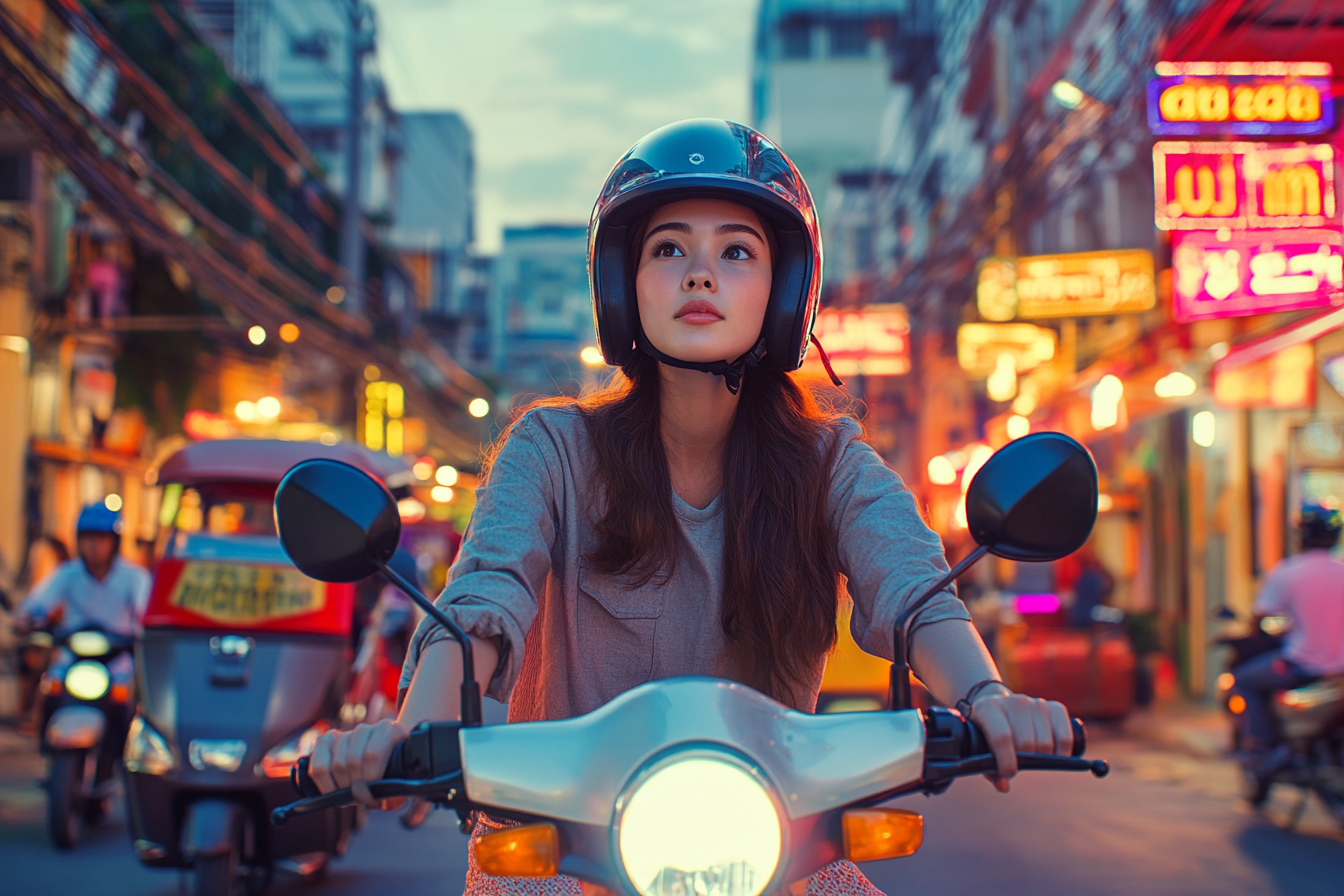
(695, 517)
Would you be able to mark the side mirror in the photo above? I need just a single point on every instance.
(337, 523)
(1035, 499)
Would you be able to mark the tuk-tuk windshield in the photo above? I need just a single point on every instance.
(232, 508)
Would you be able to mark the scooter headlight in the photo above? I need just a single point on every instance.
(87, 680)
(89, 643)
(700, 825)
(146, 750)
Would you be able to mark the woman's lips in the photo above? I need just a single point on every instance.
(698, 311)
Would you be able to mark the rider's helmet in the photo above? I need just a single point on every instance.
(98, 518)
(706, 158)
(1319, 525)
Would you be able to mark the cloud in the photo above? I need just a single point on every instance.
(556, 90)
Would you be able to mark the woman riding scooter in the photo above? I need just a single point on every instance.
(694, 517)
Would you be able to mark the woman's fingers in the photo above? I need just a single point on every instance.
(382, 741)
(1063, 727)
(1016, 723)
(992, 717)
(319, 762)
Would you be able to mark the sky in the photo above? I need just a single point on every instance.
(555, 91)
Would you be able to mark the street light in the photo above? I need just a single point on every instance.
(256, 335)
(478, 407)
(592, 356)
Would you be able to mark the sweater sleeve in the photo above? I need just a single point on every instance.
(887, 552)
(500, 571)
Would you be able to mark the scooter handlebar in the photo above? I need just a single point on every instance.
(432, 751)
(976, 744)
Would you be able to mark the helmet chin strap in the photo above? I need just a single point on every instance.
(731, 372)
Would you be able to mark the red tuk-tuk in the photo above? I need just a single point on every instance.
(243, 662)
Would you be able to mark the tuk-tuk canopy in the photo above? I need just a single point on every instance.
(268, 460)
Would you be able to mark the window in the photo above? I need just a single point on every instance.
(13, 177)
(849, 39)
(795, 38)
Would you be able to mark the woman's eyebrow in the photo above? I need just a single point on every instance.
(670, 225)
(739, 228)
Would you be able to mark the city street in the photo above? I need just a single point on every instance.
(1164, 822)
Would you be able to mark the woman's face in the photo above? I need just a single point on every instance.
(703, 280)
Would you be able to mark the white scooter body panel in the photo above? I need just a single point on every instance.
(575, 769)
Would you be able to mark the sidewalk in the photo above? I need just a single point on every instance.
(1193, 728)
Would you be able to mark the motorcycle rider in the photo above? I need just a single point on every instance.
(98, 588)
(667, 525)
(1308, 589)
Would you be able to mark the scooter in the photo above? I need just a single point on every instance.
(243, 663)
(692, 785)
(1311, 720)
(85, 718)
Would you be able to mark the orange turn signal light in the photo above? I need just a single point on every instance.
(1237, 704)
(532, 850)
(872, 834)
(121, 693)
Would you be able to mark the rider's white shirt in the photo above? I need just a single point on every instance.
(1309, 589)
(115, 604)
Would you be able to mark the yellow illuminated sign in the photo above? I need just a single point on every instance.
(240, 595)
(980, 347)
(1070, 285)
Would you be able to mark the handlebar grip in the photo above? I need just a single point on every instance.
(307, 787)
(977, 743)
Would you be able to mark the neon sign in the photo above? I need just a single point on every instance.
(1209, 186)
(1254, 272)
(981, 348)
(1198, 98)
(1078, 283)
(873, 340)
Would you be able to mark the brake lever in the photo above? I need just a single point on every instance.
(445, 788)
(986, 763)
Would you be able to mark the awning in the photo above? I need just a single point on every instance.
(1306, 330)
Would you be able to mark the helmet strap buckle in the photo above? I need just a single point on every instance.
(730, 371)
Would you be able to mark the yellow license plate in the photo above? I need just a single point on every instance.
(240, 594)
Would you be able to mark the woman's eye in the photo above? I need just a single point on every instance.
(666, 250)
(738, 252)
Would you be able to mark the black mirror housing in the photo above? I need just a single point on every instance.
(336, 522)
(1035, 500)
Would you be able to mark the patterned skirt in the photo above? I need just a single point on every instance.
(836, 879)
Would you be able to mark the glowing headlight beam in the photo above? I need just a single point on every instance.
(700, 820)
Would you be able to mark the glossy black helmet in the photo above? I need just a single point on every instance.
(706, 158)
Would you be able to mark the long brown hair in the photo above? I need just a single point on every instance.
(780, 560)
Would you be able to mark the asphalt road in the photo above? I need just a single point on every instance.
(1162, 823)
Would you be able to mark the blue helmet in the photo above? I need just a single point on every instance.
(1320, 524)
(98, 518)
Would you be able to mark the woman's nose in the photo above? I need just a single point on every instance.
(700, 280)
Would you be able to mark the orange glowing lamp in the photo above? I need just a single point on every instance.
(532, 850)
(873, 834)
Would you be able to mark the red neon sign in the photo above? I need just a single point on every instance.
(1210, 186)
(1254, 272)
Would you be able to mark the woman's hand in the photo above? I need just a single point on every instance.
(354, 758)
(1015, 723)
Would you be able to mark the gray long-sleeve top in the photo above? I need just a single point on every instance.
(572, 638)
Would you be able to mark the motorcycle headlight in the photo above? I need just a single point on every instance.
(700, 825)
(89, 644)
(281, 758)
(87, 680)
(146, 750)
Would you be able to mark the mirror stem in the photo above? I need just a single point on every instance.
(471, 690)
(900, 666)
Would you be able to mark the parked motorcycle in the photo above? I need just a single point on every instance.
(1311, 721)
(243, 663)
(84, 722)
(691, 785)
